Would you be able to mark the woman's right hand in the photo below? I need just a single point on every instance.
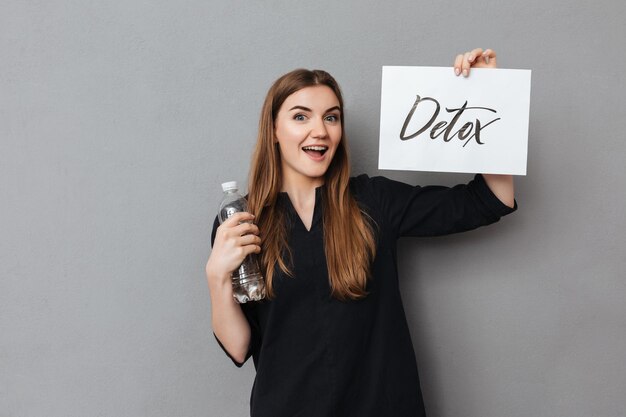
(235, 239)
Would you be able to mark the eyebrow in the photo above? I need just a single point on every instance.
(307, 109)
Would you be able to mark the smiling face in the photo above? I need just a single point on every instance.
(308, 130)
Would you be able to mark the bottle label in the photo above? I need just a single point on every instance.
(230, 211)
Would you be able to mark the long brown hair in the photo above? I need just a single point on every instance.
(347, 229)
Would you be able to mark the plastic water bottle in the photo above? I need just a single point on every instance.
(248, 282)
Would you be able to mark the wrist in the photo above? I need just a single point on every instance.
(219, 283)
(221, 295)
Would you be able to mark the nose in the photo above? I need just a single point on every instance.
(319, 129)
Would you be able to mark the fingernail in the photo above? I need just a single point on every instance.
(465, 72)
(457, 71)
(471, 58)
(486, 59)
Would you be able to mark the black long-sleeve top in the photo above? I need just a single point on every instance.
(316, 356)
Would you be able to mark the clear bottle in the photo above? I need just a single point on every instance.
(248, 282)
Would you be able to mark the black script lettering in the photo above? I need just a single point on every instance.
(478, 128)
(467, 132)
(468, 125)
(433, 132)
(408, 118)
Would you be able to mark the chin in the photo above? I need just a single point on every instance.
(316, 174)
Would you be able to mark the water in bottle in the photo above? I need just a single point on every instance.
(248, 282)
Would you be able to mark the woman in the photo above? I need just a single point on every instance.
(331, 338)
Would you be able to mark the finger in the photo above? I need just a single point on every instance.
(465, 66)
(245, 229)
(489, 54)
(237, 218)
(457, 64)
(474, 54)
(247, 250)
(249, 240)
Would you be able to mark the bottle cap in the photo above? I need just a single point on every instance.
(230, 185)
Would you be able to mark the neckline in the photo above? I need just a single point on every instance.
(291, 210)
(317, 190)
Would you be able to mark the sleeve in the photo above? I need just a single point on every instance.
(249, 310)
(436, 210)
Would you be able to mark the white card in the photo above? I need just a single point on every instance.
(481, 124)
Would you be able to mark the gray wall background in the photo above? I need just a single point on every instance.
(119, 120)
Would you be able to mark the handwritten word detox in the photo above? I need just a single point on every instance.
(467, 132)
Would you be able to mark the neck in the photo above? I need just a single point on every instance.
(302, 193)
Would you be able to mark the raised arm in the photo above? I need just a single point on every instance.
(500, 185)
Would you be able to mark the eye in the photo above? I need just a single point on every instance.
(332, 118)
(299, 117)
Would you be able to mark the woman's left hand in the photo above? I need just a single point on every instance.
(476, 58)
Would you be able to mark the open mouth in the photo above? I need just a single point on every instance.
(315, 151)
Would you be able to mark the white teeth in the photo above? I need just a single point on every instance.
(315, 148)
